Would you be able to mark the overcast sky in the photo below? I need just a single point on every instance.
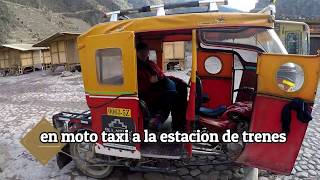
(244, 5)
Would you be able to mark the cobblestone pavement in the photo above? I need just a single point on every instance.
(308, 162)
(24, 100)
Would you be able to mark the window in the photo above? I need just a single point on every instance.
(213, 65)
(109, 66)
(293, 42)
(238, 73)
(290, 77)
(264, 39)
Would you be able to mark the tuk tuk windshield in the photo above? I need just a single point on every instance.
(264, 39)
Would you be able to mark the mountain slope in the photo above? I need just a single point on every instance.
(4, 21)
(294, 8)
(32, 20)
(22, 23)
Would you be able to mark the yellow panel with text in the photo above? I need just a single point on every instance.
(43, 152)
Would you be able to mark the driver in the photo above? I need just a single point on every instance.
(162, 94)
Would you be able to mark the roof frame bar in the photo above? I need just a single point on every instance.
(161, 9)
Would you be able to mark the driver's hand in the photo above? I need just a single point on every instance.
(154, 79)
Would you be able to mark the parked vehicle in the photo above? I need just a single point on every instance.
(238, 62)
(294, 35)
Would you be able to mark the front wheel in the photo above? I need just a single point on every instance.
(87, 162)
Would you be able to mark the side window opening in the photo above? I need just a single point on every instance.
(238, 72)
(109, 66)
(244, 75)
(174, 55)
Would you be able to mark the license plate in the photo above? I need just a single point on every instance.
(119, 112)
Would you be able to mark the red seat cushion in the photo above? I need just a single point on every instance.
(217, 125)
(237, 111)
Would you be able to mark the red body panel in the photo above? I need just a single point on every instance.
(98, 106)
(217, 86)
(219, 91)
(277, 157)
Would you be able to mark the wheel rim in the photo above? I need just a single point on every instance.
(85, 158)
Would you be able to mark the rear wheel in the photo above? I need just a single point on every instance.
(87, 162)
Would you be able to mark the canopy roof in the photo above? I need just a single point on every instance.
(22, 47)
(57, 37)
(183, 21)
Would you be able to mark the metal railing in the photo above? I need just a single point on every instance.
(161, 9)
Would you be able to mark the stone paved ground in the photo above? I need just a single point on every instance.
(24, 100)
(308, 162)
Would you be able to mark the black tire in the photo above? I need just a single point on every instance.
(81, 163)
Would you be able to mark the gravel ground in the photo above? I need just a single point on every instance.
(25, 99)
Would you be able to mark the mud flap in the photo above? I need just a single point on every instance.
(62, 158)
